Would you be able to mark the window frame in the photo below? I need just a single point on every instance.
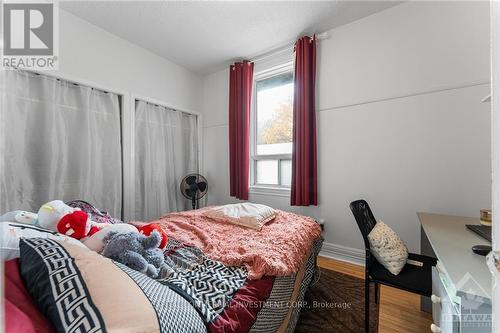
(260, 188)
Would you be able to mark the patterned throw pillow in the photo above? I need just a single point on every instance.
(388, 248)
(79, 290)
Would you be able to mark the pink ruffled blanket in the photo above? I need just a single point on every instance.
(279, 249)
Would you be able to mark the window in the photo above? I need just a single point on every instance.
(272, 128)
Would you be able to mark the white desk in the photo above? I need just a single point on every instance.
(462, 280)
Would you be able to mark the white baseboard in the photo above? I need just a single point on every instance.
(343, 253)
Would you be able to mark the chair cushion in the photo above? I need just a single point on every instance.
(388, 248)
(416, 279)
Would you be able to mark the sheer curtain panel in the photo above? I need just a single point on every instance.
(166, 149)
(58, 140)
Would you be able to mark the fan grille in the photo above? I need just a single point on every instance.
(194, 186)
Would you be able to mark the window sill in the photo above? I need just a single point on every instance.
(269, 190)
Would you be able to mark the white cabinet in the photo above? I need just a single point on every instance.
(444, 313)
(457, 314)
(461, 281)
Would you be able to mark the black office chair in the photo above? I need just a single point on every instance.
(415, 277)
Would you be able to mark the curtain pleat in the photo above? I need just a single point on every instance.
(240, 95)
(58, 140)
(166, 150)
(304, 189)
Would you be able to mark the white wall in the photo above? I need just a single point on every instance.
(399, 117)
(90, 53)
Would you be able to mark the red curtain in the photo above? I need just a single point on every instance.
(240, 95)
(304, 155)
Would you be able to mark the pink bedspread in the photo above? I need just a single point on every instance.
(279, 249)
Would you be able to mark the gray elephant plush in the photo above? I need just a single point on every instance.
(135, 250)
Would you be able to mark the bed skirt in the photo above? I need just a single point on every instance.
(282, 309)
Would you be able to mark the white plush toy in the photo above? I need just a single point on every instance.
(19, 216)
(51, 213)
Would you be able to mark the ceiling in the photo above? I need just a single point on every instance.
(205, 36)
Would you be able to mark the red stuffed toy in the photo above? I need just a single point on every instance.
(76, 225)
(149, 228)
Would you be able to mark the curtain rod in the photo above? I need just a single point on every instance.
(55, 78)
(138, 99)
(284, 48)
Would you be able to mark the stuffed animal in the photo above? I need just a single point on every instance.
(51, 213)
(76, 224)
(135, 250)
(19, 216)
(149, 228)
(79, 225)
(96, 241)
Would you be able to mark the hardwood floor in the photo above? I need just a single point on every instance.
(399, 310)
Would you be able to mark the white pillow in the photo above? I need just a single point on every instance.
(246, 214)
(11, 232)
(388, 248)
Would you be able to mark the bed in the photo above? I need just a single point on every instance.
(217, 278)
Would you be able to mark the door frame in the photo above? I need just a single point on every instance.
(495, 160)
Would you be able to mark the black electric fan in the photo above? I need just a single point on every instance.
(194, 186)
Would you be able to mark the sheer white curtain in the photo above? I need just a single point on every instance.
(166, 149)
(58, 140)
